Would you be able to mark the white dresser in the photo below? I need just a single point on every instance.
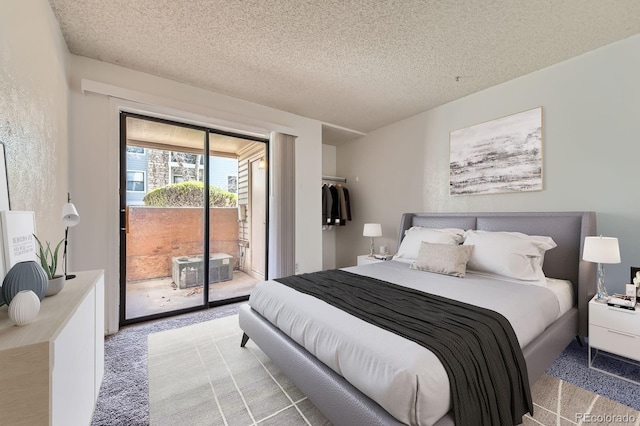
(51, 369)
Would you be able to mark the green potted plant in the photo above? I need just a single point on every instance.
(49, 262)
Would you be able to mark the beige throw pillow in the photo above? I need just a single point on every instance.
(443, 259)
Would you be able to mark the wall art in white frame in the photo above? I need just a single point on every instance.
(498, 156)
(18, 242)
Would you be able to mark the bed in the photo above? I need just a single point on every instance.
(344, 404)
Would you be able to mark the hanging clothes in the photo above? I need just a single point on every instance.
(343, 204)
(326, 204)
(336, 205)
(347, 202)
(334, 218)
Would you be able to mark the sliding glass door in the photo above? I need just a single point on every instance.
(185, 202)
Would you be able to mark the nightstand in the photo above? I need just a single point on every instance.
(365, 259)
(615, 331)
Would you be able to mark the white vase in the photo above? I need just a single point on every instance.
(24, 307)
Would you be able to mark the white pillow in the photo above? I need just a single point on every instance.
(509, 254)
(444, 259)
(414, 236)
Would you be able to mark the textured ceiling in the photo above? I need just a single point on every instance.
(356, 64)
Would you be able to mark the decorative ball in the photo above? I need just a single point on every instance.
(27, 275)
(24, 307)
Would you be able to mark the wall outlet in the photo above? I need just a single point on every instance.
(297, 267)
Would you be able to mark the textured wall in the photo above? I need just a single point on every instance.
(33, 111)
(329, 235)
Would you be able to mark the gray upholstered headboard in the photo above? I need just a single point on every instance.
(567, 229)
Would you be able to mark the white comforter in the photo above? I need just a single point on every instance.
(403, 377)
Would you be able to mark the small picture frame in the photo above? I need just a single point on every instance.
(635, 272)
(18, 228)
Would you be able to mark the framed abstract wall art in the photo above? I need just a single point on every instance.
(502, 155)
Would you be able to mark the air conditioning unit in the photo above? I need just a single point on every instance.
(220, 267)
(187, 271)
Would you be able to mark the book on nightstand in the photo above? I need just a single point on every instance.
(622, 301)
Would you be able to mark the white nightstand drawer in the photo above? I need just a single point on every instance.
(618, 319)
(614, 341)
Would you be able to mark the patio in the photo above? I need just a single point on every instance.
(159, 295)
(164, 259)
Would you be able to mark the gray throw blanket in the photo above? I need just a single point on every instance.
(477, 347)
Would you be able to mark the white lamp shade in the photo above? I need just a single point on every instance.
(70, 215)
(601, 250)
(372, 230)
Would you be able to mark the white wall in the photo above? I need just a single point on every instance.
(328, 235)
(591, 146)
(94, 156)
(384, 171)
(33, 112)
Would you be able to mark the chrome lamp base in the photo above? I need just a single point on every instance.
(602, 295)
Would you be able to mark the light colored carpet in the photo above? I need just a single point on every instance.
(124, 393)
(199, 375)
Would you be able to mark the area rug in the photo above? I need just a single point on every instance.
(199, 375)
(123, 398)
(572, 366)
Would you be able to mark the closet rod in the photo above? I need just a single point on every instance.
(334, 178)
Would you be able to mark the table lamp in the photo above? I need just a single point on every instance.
(372, 230)
(70, 218)
(601, 250)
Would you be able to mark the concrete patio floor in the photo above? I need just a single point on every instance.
(160, 295)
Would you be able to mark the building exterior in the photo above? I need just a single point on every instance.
(148, 169)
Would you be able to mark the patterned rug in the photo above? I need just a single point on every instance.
(124, 394)
(199, 375)
(572, 366)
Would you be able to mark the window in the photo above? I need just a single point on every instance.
(186, 174)
(184, 158)
(232, 184)
(135, 181)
